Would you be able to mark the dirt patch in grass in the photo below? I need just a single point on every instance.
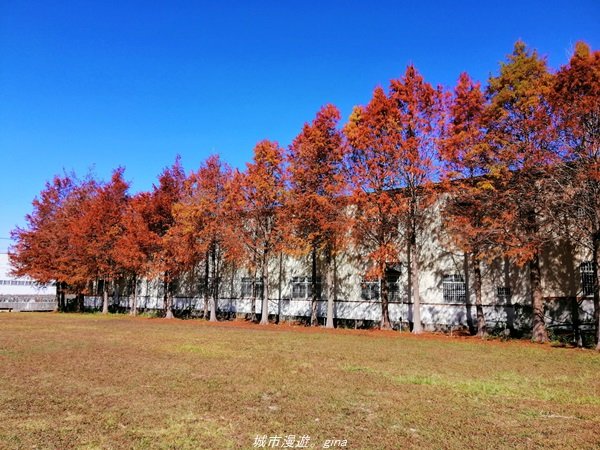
(88, 381)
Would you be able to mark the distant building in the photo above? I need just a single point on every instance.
(23, 294)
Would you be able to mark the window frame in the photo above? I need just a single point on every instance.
(248, 283)
(586, 278)
(454, 288)
(503, 293)
(302, 287)
(369, 290)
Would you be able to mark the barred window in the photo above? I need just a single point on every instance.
(586, 270)
(248, 284)
(392, 277)
(298, 287)
(454, 288)
(21, 283)
(503, 293)
(393, 289)
(369, 290)
(302, 287)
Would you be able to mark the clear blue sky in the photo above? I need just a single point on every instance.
(102, 84)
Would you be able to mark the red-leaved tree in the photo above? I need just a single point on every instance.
(256, 200)
(575, 98)
(202, 220)
(137, 244)
(465, 158)
(314, 204)
(373, 171)
(96, 232)
(166, 261)
(523, 143)
(43, 250)
(419, 109)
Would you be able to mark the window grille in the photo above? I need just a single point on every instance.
(298, 287)
(302, 287)
(393, 289)
(369, 290)
(21, 283)
(503, 293)
(454, 289)
(586, 270)
(248, 284)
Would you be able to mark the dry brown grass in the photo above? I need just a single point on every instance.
(87, 381)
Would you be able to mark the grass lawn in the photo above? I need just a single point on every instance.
(88, 381)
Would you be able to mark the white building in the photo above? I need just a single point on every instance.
(446, 300)
(23, 294)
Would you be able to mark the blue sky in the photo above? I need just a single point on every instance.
(101, 84)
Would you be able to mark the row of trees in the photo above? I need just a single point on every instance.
(513, 167)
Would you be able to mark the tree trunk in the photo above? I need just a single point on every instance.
(279, 287)
(577, 338)
(596, 285)
(134, 305)
(264, 317)
(510, 308)
(115, 293)
(314, 319)
(104, 297)
(63, 299)
(468, 290)
(215, 286)
(58, 290)
(206, 291)
(168, 298)
(481, 326)
(539, 333)
(413, 269)
(385, 313)
(80, 302)
(331, 290)
(213, 309)
(130, 299)
(253, 296)
(169, 303)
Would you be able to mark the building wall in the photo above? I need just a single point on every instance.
(561, 283)
(23, 294)
(511, 312)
